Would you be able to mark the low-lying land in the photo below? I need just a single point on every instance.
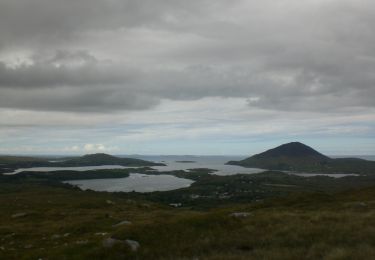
(208, 190)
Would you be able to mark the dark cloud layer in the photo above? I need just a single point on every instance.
(42, 22)
(284, 55)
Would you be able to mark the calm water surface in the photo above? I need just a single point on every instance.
(211, 162)
(82, 168)
(135, 182)
(149, 183)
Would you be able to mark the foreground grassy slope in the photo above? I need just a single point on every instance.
(39, 221)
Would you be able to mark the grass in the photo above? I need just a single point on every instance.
(63, 223)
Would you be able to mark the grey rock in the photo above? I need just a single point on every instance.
(240, 214)
(175, 205)
(19, 215)
(134, 245)
(362, 204)
(101, 233)
(110, 202)
(82, 242)
(110, 242)
(145, 205)
(55, 236)
(125, 222)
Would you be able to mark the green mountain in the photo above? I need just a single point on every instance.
(296, 156)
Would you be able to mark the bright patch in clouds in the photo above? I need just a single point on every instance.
(95, 148)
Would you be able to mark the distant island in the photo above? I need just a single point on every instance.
(296, 156)
(15, 162)
(185, 161)
(99, 159)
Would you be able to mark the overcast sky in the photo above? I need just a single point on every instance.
(186, 77)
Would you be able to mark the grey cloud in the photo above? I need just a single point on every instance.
(75, 100)
(304, 55)
(46, 22)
